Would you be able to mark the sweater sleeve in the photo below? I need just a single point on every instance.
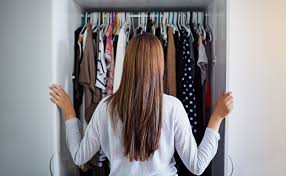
(82, 149)
(196, 158)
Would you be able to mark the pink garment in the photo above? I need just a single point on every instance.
(109, 57)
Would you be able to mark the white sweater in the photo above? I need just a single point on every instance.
(176, 134)
(120, 55)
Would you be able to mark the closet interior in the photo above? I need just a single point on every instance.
(197, 22)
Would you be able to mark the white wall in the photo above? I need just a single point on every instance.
(257, 77)
(65, 20)
(25, 111)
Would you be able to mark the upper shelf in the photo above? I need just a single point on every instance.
(142, 4)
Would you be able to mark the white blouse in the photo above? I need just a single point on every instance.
(176, 134)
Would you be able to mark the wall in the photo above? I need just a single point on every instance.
(257, 77)
(25, 110)
(65, 20)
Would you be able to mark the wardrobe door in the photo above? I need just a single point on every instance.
(217, 21)
(257, 77)
(26, 129)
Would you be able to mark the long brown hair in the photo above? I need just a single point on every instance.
(138, 100)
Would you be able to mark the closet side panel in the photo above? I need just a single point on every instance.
(25, 109)
(65, 20)
(217, 22)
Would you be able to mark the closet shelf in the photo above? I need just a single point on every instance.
(144, 5)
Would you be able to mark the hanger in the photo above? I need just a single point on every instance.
(169, 20)
(109, 22)
(161, 22)
(129, 21)
(140, 21)
(154, 22)
(165, 16)
(193, 18)
(85, 23)
(175, 18)
(105, 17)
(169, 23)
(175, 23)
(144, 21)
(118, 16)
(179, 20)
(95, 20)
(128, 26)
(201, 26)
(133, 23)
(197, 27)
(188, 19)
(103, 20)
(114, 22)
(184, 18)
(207, 26)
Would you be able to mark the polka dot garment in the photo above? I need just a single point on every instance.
(187, 81)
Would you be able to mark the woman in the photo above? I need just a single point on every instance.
(139, 127)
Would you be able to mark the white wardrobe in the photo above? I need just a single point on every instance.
(36, 49)
(66, 16)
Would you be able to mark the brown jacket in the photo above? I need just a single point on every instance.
(171, 64)
(87, 76)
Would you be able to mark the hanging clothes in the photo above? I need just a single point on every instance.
(87, 75)
(77, 88)
(109, 57)
(190, 88)
(96, 165)
(171, 64)
(206, 87)
(198, 87)
(179, 64)
(211, 65)
(187, 75)
(84, 37)
(187, 92)
(207, 93)
(120, 54)
(115, 41)
(202, 59)
(150, 23)
(101, 64)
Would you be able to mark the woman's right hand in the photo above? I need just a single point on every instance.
(62, 100)
(223, 107)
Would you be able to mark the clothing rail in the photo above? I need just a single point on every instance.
(195, 16)
(136, 14)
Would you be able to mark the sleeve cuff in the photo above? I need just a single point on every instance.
(71, 122)
(213, 132)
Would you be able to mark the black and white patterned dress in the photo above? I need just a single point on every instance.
(187, 92)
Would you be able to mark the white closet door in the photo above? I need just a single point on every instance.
(257, 76)
(26, 129)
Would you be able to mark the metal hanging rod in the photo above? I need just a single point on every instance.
(136, 15)
(136, 9)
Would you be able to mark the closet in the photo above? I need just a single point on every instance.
(67, 17)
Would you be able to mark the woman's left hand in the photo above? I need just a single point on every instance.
(62, 100)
